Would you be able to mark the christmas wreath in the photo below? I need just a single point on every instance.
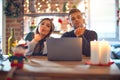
(13, 8)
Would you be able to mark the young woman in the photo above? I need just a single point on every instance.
(37, 39)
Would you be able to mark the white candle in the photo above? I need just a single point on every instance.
(104, 52)
(109, 51)
(94, 52)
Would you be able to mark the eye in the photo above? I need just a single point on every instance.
(79, 17)
(42, 23)
(48, 25)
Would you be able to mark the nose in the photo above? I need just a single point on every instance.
(77, 20)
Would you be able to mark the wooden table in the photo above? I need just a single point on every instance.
(39, 68)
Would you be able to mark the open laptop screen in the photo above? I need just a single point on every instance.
(64, 49)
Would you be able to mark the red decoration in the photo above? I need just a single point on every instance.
(17, 60)
(60, 21)
(9, 78)
(108, 64)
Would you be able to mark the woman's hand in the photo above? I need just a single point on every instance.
(37, 37)
(79, 31)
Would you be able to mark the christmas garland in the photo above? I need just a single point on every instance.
(13, 8)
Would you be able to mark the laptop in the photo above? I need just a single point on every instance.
(64, 49)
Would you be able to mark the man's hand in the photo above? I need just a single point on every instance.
(79, 31)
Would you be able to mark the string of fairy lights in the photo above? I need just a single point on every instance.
(49, 6)
(41, 6)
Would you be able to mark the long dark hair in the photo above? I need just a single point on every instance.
(52, 26)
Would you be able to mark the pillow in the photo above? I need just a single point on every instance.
(116, 52)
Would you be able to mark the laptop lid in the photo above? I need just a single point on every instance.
(64, 49)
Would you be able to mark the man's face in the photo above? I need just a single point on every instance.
(76, 20)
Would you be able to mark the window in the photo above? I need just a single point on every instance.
(0, 23)
(103, 19)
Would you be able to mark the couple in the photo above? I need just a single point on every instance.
(46, 27)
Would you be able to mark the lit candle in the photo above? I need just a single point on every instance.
(104, 52)
(95, 57)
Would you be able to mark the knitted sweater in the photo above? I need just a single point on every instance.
(88, 36)
(35, 48)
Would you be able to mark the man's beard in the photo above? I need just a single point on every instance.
(77, 26)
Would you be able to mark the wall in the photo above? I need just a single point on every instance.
(16, 23)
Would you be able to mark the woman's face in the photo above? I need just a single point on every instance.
(45, 27)
(76, 20)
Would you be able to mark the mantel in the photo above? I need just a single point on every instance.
(45, 14)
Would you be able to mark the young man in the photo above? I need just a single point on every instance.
(76, 20)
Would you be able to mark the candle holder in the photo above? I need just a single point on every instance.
(99, 64)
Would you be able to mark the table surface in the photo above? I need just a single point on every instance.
(41, 64)
(38, 66)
